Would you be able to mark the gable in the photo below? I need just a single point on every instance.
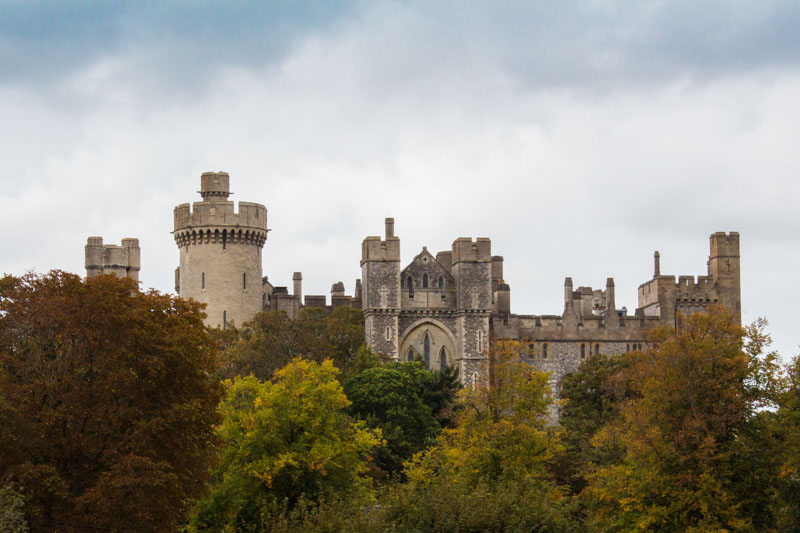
(425, 264)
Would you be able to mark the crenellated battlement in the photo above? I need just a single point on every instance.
(220, 213)
(122, 261)
(376, 249)
(465, 250)
(215, 219)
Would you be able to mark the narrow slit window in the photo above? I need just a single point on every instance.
(544, 351)
(244, 281)
(424, 281)
(597, 349)
(410, 285)
(427, 351)
(224, 319)
(583, 351)
(203, 280)
(442, 359)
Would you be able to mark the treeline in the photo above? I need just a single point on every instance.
(120, 411)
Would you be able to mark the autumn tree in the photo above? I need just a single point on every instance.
(488, 473)
(788, 431)
(272, 339)
(590, 399)
(106, 404)
(692, 447)
(285, 441)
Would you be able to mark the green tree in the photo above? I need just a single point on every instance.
(283, 442)
(687, 434)
(401, 399)
(106, 404)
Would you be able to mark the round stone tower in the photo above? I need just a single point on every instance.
(221, 252)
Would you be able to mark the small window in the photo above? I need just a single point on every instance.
(224, 319)
(583, 351)
(441, 282)
(426, 344)
(627, 347)
(410, 355)
(388, 333)
(410, 286)
(544, 351)
(244, 281)
(424, 281)
(597, 349)
(224, 238)
(203, 280)
(442, 359)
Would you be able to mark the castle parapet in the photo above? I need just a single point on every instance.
(122, 261)
(467, 250)
(375, 249)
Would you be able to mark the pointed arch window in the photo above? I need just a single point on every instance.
(424, 281)
(410, 355)
(426, 350)
(410, 286)
(442, 359)
(441, 282)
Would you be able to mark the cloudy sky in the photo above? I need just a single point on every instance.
(579, 136)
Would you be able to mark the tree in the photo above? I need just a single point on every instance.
(402, 399)
(284, 442)
(591, 397)
(690, 434)
(788, 422)
(489, 471)
(12, 516)
(106, 402)
(272, 339)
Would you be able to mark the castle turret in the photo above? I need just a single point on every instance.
(122, 261)
(723, 267)
(380, 275)
(220, 252)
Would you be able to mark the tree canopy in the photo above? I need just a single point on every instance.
(107, 404)
(699, 396)
(406, 402)
(284, 442)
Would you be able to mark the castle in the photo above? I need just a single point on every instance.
(441, 308)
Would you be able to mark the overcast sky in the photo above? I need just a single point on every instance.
(578, 136)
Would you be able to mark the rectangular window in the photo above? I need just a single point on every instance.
(244, 281)
(224, 319)
(203, 280)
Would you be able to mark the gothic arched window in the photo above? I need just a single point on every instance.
(410, 355)
(442, 359)
(424, 281)
(583, 351)
(410, 286)
(597, 349)
(544, 351)
(426, 349)
(441, 282)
